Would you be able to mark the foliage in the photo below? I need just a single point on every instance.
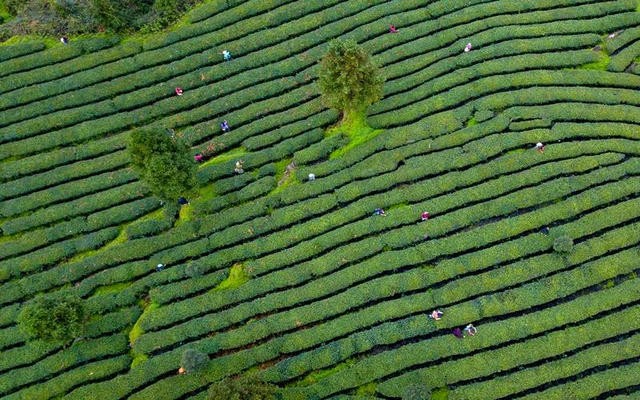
(68, 17)
(563, 244)
(57, 317)
(348, 78)
(246, 387)
(117, 15)
(163, 162)
(193, 360)
(416, 391)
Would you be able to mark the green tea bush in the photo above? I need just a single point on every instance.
(8, 52)
(320, 150)
(563, 244)
(416, 391)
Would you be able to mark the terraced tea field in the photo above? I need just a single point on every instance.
(326, 300)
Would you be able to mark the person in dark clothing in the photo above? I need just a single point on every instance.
(457, 332)
(224, 125)
(64, 40)
(159, 267)
(182, 201)
(545, 230)
(379, 211)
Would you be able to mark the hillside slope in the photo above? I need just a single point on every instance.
(326, 300)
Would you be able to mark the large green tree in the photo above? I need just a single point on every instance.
(163, 162)
(349, 80)
(56, 317)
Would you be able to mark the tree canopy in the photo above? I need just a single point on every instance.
(349, 80)
(56, 317)
(163, 162)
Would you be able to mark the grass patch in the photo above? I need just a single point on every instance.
(10, 238)
(472, 121)
(229, 155)
(397, 206)
(356, 137)
(115, 288)
(206, 193)
(157, 214)
(440, 394)
(518, 151)
(121, 238)
(601, 64)
(356, 130)
(237, 276)
(315, 376)
(198, 196)
(4, 13)
(283, 180)
(49, 42)
(281, 167)
(367, 390)
(136, 330)
(185, 214)
(138, 358)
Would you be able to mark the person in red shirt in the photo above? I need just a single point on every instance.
(179, 91)
(425, 216)
(392, 29)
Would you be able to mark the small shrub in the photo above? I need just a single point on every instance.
(416, 391)
(193, 360)
(245, 387)
(195, 269)
(563, 244)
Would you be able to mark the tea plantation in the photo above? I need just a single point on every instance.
(296, 280)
